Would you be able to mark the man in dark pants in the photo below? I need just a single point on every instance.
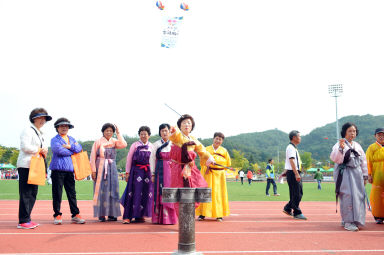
(270, 175)
(293, 167)
(241, 173)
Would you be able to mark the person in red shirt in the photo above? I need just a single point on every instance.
(249, 176)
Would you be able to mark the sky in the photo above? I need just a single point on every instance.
(238, 66)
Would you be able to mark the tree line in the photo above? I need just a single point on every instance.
(252, 150)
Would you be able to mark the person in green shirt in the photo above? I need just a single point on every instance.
(270, 175)
(319, 177)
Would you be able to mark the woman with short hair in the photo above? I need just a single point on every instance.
(138, 195)
(351, 175)
(215, 176)
(63, 147)
(105, 175)
(183, 154)
(163, 213)
(31, 142)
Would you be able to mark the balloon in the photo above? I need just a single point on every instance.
(160, 5)
(184, 6)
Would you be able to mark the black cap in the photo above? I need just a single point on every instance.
(47, 117)
(379, 130)
(63, 121)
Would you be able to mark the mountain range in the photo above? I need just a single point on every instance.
(260, 146)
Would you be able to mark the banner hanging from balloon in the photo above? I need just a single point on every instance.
(170, 32)
(171, 25)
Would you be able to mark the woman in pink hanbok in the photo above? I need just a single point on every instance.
(163, 213)
(183, 154)
(105, 175)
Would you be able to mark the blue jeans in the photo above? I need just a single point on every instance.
(319, 184)
(269, 182)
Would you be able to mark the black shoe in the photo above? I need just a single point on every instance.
(287, 213)
(111, 218)
(102, 219)
(138, 220)
(201, 217)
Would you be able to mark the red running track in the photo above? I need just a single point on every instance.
(252, 228)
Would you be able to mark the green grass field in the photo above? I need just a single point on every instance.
(236, 191)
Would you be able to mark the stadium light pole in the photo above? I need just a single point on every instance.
(335, 91)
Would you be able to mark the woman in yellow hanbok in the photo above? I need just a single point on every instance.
(214, 175)
(375, 160)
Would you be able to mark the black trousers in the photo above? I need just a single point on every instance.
(242, 180)
(295, 193)
(27, 196)
(66, 179)
(269, 182)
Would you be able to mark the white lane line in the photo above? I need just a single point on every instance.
(226, 221)
(232, 209)
(273, 214)
(199, 233)
(242, 214)
(204, 252)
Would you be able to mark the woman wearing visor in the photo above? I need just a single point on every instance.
(31, 142)
(375, 159)
(63, 146)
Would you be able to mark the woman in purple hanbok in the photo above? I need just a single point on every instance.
(163, 213)
(138, 195)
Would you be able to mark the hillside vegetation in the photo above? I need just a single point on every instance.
(257, 147)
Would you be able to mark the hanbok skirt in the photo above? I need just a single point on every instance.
(352, 195)
(219, 207)
(137, 198)
(163, 213)
(108, 198)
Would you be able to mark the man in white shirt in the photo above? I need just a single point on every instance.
(293, 172)
(241, 174)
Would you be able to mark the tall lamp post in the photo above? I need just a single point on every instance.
(335, 91)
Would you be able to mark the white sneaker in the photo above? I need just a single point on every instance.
(351, 227)
(77, 219)
(57, 220)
